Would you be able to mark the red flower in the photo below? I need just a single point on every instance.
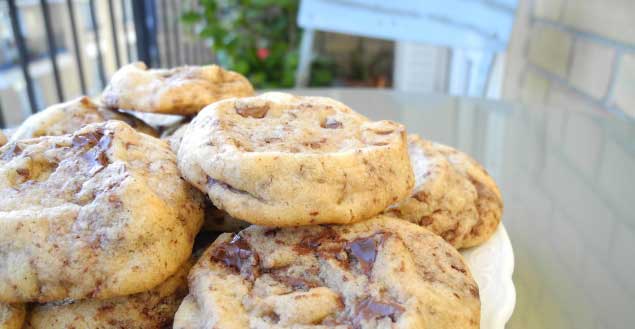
(262, 53)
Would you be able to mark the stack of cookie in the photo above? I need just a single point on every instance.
(331, 220)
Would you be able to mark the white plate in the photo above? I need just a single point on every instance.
(492, 265)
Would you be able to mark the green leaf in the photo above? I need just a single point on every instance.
(237, 28)
(191, 17)
(288, 79)
(241, 66)
(321, 77)
(258, 79)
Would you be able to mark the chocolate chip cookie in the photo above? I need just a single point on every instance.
(379, 273)
(183, 90)
(99, 213)
(220, 221)
(3, 138)
(151, 309)
(12, 316)
(66, 118)
(175, 137)
(215, 219)
(453, 195)
(283, 160)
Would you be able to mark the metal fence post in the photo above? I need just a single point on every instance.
(52, 47)
(144, 14)
(78, 54)
(100, 59)
(24, 56)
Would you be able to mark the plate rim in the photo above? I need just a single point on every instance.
(508, 269)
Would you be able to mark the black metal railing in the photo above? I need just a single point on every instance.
(143, 30)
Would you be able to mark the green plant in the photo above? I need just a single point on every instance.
(257, 38)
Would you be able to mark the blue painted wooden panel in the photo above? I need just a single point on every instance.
(472, 24)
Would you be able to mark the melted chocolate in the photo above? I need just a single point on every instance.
(331, 123)
(237, 254)
(97, 157)
(369, 309)
(98, 142)
(321, 242)
(257, 112)
(297, 283)
(365, 251)
(87, 139)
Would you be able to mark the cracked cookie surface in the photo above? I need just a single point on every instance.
(66, 118)
(453, 197)
(96, 214)
(284, 160)
(146, 310)
(183, 90)
(379, 273)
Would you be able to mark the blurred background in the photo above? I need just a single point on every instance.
(576, 53)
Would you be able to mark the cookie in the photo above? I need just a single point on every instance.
(12, 316)
(183, 90)
(151, 309)
(453, 195)
(379, 273)
(8, 132)
(175, 137)
(489, 202)
(282, 160)
(165, 124)
(66, 118)
(220, 221)
(96, 214)
(215, 219)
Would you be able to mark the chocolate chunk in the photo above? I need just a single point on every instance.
(295, 282)
(237, 254)
(313, 243)
(24, 172)
(249, 110)
(369, 309)
(331, 123)
(96, 157)
(365, 251)
(234, 254)
(87, 140)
